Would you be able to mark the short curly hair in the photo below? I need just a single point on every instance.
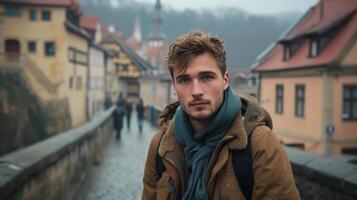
(192, 44)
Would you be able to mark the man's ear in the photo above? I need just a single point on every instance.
(225, 80)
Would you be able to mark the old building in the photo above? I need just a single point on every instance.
(46, 37)
(129, 67)
(158, 90)
(308, 80)
(96, 66)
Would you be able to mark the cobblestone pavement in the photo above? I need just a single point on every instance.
(119, 176)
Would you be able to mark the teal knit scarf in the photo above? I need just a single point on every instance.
(199, 146)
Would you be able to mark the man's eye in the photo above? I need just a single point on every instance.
(206, 77)
(184, 80)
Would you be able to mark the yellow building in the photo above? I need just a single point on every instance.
(309, 80)
(44, 37)
(129, 67)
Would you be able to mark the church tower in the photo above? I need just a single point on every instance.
(135, 41)
(156, 40)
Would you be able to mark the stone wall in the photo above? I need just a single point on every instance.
(55, 167)
(320, 178)
(24, 118)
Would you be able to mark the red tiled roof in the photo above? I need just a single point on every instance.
(105, 33)
(133, 43)
(335, 12)
(89, 22)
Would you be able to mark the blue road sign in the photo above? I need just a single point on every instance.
(330, 129)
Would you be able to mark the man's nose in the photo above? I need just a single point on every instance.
(196, 89)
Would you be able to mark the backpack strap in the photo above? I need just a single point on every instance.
(160, 168)
(243, 169)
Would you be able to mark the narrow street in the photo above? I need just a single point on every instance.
(119, 176)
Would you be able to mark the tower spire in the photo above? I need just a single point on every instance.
(156, 39)
(137, 29)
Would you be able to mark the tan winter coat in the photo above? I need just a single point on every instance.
(273, 178)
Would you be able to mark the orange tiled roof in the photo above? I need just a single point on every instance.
(335, 12)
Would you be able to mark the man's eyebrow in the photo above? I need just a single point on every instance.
(182, 76)
(207, 73)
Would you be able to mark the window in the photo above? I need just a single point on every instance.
(77, 56)
(116, 67)
(314, 48)
(81, 57)
(349, 102)
(71, 82)
(291, 47)
(32, 15)
(279, 102)
(31, 46)
(79, 83)
(300, 100)
(46, 15)
(125, 67)
(287, 52)
(73, 17)
(49, 48)
(12, 11)
(71, 54)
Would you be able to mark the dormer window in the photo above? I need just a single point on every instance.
(287, 52)
(291, 47)
(314, 47)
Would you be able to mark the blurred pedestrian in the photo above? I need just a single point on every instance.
(108, 102)
(140, 114)
(118, 118)
(128, 112)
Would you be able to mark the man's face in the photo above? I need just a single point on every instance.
(200, 87)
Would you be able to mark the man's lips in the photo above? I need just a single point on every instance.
(198, 103)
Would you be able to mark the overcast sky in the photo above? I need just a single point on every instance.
(250, 6)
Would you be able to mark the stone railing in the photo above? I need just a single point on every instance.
(15, 60)
(320, 178)
(55, 167)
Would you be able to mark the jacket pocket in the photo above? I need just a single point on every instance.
(165, 188)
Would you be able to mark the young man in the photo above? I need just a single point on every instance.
(199, 134)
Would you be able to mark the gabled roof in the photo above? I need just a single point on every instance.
(138, 61)
(320, 19)
(89, 22)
